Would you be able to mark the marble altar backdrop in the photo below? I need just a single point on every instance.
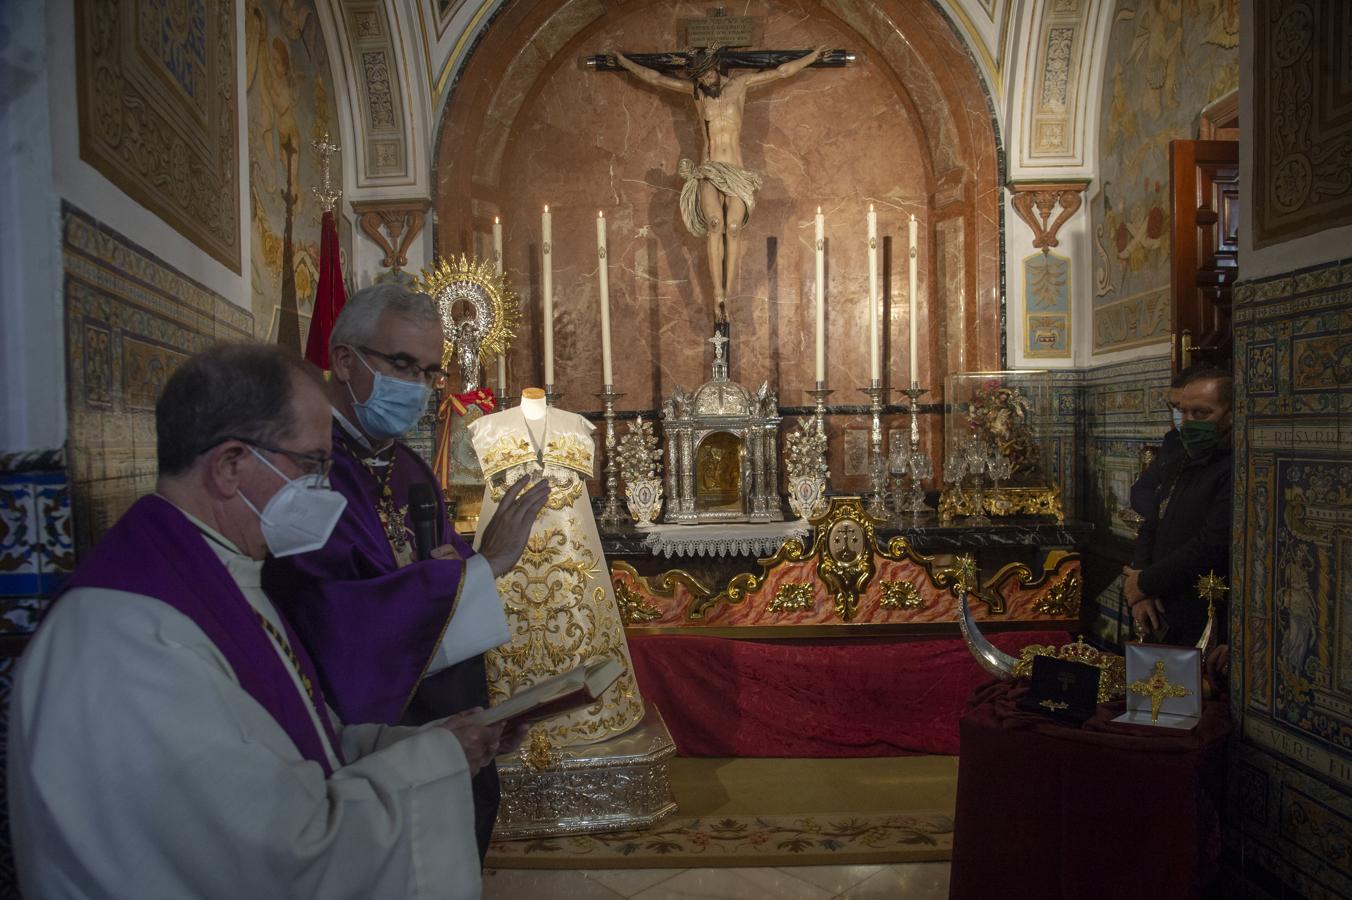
(907, 127)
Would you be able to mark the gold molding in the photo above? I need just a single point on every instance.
(1007, 501)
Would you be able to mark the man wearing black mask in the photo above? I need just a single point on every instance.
(1187, 534)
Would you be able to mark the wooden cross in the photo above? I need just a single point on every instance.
(1158, 688)
(719, 33)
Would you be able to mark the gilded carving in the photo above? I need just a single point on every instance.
(158, 112)
(1063, 599)
(792, 598)
(900, 595)
(634, 609)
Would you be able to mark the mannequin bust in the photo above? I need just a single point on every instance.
(533, 403)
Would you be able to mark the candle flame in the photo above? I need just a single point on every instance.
(547, 209)
(870, 207)
(600, 214)
(495, 220)
(819, 210)
(912, 217)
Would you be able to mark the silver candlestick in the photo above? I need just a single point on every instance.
(550, 397)
(911, 463)
(613, 512)
(819, 395)
(877, 505)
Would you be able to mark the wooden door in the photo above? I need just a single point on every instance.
(1204, 241)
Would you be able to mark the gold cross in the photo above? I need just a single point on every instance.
(1157, 688)
(1211, 588)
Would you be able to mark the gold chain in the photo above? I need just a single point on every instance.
(290, 654)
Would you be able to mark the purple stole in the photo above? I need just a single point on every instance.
(372, 625)
(156, 551)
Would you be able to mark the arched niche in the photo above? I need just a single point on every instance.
(907, 128)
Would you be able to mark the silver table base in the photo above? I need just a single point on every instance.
(615, 785)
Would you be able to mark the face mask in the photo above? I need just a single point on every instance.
(393, 407)
(1199, 438)
(299, 517)
(1178, 418)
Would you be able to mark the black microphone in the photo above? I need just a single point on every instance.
(422, 508)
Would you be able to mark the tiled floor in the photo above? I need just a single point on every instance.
(910, 881)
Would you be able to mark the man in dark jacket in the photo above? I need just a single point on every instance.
(1145, 492)
(1188, 532)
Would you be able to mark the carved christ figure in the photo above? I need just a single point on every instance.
(719, 194)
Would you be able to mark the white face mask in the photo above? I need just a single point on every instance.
(299, 517)
(1178, 418)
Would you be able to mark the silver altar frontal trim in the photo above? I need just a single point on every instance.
(715, 540)
(614, 785)
(722, 450)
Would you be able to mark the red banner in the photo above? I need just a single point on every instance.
(330, 295)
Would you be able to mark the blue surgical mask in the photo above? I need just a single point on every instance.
(1178, 418)
(394, 406)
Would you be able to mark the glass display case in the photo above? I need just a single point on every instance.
(997, 460)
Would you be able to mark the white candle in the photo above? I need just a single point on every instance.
(497, 266)
(821, 296)
(497, 245)
(607, 376)
(915, 330)
(875, 371)
(547, 275)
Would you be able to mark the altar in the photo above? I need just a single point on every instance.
(849, 576)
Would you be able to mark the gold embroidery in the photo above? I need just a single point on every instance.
(564, 488)
(507, 451)
(570, 452)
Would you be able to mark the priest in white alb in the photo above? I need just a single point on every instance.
(168, 734)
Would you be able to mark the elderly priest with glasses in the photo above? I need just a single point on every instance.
(398, 621)
(169, 736)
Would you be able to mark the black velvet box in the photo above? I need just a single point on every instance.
(1062, 689)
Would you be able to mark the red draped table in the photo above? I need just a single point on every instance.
(841, 697)
(1048, 811)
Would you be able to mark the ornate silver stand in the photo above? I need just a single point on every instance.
(613, 511)
(507, 401)
(550, 397)
(819, 396)
(911, 463)
(616, 785)
(877, 505)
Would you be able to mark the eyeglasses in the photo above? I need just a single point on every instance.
(309, 463)
(407, 368)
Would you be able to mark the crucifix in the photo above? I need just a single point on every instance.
(327, 195)
(1158, 688)
(719, 194)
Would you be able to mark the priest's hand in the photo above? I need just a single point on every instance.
(1148, 614)
(506, 533)
(513, 737)
(480, 742)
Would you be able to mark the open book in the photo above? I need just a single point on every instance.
(555, 696)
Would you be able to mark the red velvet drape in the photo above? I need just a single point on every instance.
(824, 698)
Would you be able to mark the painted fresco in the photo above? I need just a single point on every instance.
(1166, 61)
(1291, 622)
(1046, 289)
(291, 105)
